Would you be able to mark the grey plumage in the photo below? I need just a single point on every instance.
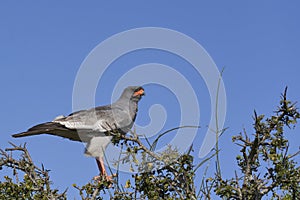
(92, 125)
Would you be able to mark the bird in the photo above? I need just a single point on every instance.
(93, 126)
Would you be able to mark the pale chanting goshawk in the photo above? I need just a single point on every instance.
(93, 126)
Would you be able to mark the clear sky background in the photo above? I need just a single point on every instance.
(42, 45)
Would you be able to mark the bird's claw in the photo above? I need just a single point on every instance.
(105, 178)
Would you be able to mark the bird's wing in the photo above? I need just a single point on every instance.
(51, 128)
(77, 126)
(99, 119)
(118, 117)
(85, 124)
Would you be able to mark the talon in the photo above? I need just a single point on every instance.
(107, 177)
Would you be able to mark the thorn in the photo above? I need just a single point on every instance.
(255, 114)
(285, 91)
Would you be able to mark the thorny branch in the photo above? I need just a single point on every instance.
(269, 146)
(35, 180)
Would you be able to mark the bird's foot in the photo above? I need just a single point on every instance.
(105, 178)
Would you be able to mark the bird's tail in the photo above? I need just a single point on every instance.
(39, 129)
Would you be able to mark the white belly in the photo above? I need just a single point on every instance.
(97, 145)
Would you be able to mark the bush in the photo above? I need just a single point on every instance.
(265, 168)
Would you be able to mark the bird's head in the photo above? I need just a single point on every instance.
(133, 93)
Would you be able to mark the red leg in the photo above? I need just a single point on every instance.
(101, 167)
(102, 170)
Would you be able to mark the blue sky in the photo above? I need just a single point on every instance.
(42, 46)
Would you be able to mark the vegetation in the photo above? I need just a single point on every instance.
(265, 168)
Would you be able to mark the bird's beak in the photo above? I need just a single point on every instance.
(140, 92)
